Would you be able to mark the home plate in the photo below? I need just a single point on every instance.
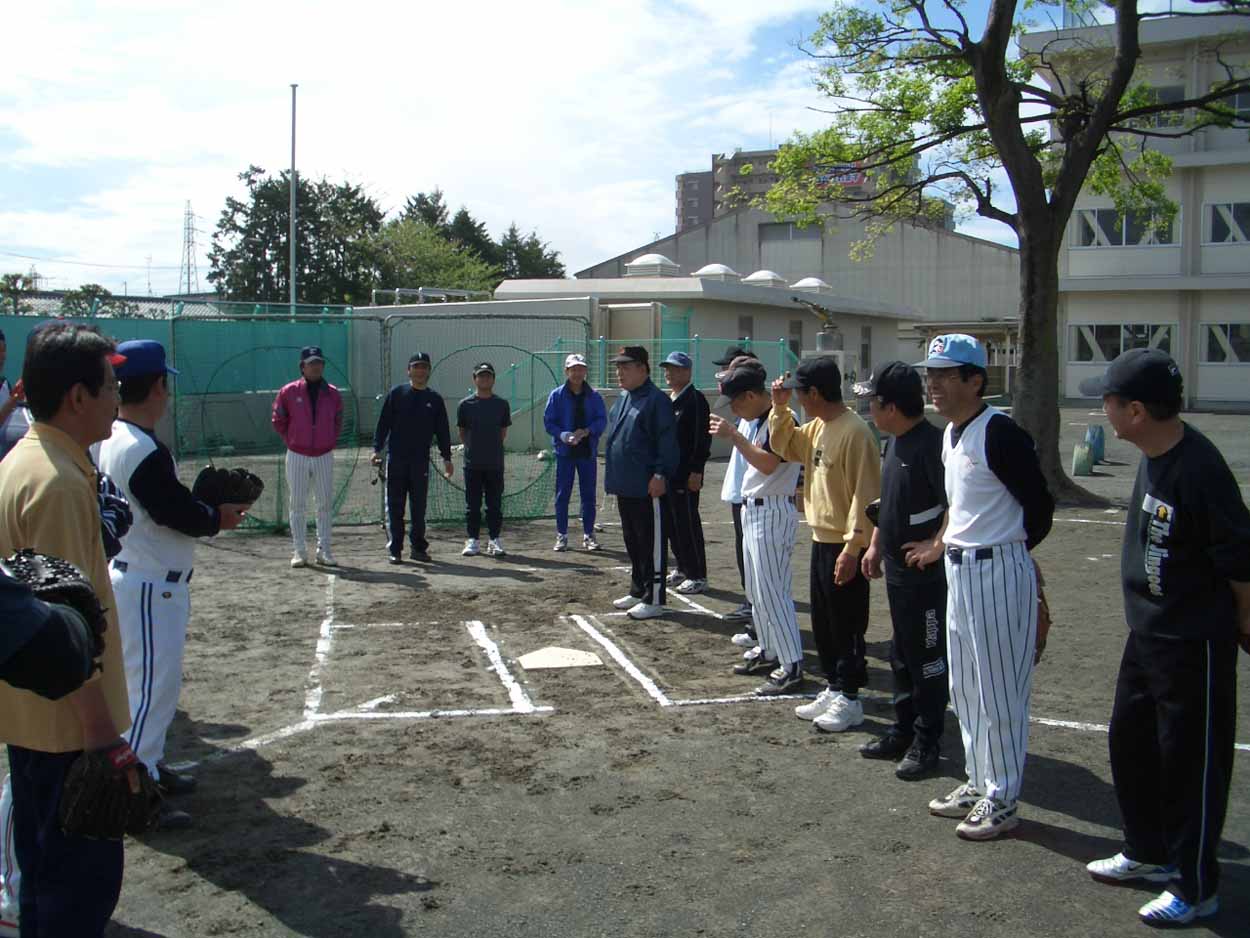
(553, 657)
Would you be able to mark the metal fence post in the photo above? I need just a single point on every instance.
(694, 348)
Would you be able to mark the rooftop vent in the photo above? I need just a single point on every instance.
(765, 278)
(652, 265)
(720, 272)
(812, 285)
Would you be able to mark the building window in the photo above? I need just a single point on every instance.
(1226, 343)
(746, 327)
(796, 337)
(1101, 342)
(1228, 223)
(1239, 102)
(865, 349)
(1106, 228)
(1164, 94)
(788, 231)
(692, 203)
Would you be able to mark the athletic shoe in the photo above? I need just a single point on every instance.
(174, 783)
(742, 611)
(956, 803)
(326, 559)
(746, 639)
(1120, 869)
(421, 556)
(395, 559)
(299, 560)
(920, 761)
(471, 548)
(495, 548)
(643, 610)
(173, 819)
(674, 577)
(755, 662)
(9, 927)
(890, 746)
(842, 714)
(562, 543)
(626, 602)
(823, 701)
(589, 542)
(1169, 911)
(691, 587)
(781, 681)
(989, 818)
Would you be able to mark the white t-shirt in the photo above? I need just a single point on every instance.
(17, 424)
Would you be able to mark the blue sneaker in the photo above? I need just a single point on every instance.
(1169, 911)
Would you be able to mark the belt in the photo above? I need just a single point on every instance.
(757, 502)
(171, 576)
(957, 554)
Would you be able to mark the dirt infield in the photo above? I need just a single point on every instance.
(374, 762)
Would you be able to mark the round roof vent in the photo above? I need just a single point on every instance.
(717, 272)
(651, 265)
(765, 278)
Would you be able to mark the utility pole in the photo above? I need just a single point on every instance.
(149, 275)
(294, 188)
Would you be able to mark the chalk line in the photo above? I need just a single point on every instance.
(521, 702)
(648, 685)
(695, 606)
(325, 641)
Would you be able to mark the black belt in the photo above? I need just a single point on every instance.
(757, 502)
(171, 576)
(956, 554)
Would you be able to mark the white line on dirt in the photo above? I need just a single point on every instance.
(620, 658)
(346, 715)
(696, 607)
(1117, 524)
(339, 627)
(1098, 728)
(325, 641)
(740, 698)
(377, 702)
(521, 702)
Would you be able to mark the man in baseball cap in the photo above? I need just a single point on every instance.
(483, 420)
(819, 375)
(1186, 584)
(575, 416)
(681, 502)
(734, 351)
(912, 511)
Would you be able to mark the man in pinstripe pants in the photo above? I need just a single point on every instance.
(770, 524)
(999, 509)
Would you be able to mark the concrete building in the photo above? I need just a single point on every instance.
(1186, 289)
(695, 200)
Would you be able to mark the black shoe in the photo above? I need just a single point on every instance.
(890, 746)
(920, 761)
(756, 664)
(173, 819)
(421, 556)
(174, 783)
(396, 559)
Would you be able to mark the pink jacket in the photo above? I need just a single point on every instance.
(293, 418)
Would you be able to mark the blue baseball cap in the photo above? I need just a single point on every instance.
(143, 357)
(952, 350)
(678, 359)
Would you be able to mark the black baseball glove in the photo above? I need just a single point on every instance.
(115, 515)
(215, 486)
(108, 793)
(58, 581)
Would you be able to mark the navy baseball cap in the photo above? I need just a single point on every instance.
(141, 357)
(741, 380)
(822, 373)
(952, 350)
(678, 360)
(485, 368)
(894, 382)
(630, 354)
(418, 357)
(734, 351)
(1148, 375)
(311, 353)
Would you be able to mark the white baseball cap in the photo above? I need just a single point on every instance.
(575, 359)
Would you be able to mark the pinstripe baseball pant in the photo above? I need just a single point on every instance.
(991, 623)
(768, 534)
(317, 473)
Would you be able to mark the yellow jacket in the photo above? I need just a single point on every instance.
(48, 502)
(842, 473)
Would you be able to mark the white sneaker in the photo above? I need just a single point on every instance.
(841, 715)
(645, 611)
(1120, 869)
(562, 542)
(625, 602)
(691, 587)
(470, 548)
(810, 711)
(674, 577)
(989, 818)
(589, 542)
(956, 804)
(495, 547)
(299, 560)
(1169, 911)
(744, 640)
(326, 559)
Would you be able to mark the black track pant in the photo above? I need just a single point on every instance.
(839, 618)
(645, 532)
(407, 483)
(742, 570)
(685, 532)
(1172, 744)
(476, 483)
(918, 658)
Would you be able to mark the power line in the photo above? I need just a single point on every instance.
(61, 260)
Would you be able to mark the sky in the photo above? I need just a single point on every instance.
(565, 116)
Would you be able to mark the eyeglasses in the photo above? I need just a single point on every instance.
(942, 374)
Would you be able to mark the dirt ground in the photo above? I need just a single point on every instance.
(584, 806)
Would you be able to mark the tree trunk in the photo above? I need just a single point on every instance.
(1035, 393)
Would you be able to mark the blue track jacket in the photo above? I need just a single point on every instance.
(642, 441)
(558, 417)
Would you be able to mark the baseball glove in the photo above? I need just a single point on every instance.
(1043, 616)
(215, 486)
(108, 793)
(58, 581)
